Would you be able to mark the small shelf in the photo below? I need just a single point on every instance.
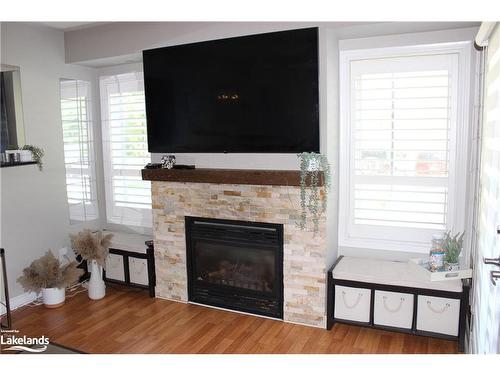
(5, 165)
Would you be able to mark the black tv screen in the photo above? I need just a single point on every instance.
(247, 94)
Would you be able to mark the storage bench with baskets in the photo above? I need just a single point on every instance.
(130, 261)
(391, 295)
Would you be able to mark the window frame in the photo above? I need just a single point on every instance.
(91, 166)
(376, 237)
(123, 219)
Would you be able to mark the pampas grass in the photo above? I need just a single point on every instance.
(92, 246)
(46, 272)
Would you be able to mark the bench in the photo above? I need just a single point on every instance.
(391, 295)
(131, 261)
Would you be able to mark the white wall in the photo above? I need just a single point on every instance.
(101, 45)
(34, 211)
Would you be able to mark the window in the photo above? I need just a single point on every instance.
(401, 175)
(79, 150)
(125, 150)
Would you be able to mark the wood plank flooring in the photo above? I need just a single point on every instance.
(128, 321)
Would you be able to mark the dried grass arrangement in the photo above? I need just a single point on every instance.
(47, 272)
(92, 246)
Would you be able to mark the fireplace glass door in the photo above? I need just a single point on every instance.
(236, 265)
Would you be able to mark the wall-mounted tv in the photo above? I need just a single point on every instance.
(249, 94)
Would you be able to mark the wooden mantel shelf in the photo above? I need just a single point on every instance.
(227, 176)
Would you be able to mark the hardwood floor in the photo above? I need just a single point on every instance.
(127, 321)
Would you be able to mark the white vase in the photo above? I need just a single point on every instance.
(53, 297)
(97, 289)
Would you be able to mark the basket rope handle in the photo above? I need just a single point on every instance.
(113, 262)
(358, 299)
(437, 311)
(141, 267)
(395, 310)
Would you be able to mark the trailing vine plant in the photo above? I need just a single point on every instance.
(37, 154)
(311, 166)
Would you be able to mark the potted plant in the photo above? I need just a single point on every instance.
(93, 247)
(48, 276)
(35, 154)
(27, 153)
(311, 166)
(452, 246)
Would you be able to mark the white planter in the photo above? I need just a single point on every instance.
(26, 155)
(53, 297)
(313, 165)
(97, 289)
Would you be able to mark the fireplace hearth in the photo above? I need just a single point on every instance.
(236, 265)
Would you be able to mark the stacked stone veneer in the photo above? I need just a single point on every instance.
(304, 252)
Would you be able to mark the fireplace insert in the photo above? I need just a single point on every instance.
(236, 265)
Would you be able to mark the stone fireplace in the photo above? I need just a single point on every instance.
(244, 196)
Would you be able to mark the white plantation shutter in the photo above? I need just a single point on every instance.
(79, 154)
(400, 130)
(125, 149)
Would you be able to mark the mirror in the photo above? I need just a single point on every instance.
(11, 108)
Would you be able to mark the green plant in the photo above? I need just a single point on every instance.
(311, 166)
(47, 272)
(37, 154)
(452, 246)
(12, 147)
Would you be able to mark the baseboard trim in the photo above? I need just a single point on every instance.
(19, 301)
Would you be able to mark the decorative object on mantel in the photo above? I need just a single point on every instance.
(311, 165)
(47, 275)
(167, 161)
(93, 247)
(152, 166)
(452, 246)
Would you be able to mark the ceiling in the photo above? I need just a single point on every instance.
(70, 26)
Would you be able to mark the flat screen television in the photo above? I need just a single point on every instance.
(249, 94)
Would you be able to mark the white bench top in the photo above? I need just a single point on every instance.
(128, 241)
(389, 273)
